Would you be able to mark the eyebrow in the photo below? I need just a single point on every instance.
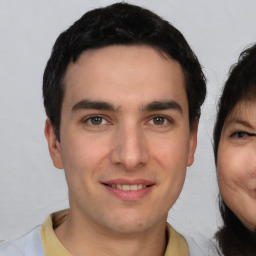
(163, 105)
(102, 105)
(88, 104)
(239, 121)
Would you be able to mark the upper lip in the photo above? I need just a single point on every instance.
(128, 182)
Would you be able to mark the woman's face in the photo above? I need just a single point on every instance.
(237, 162)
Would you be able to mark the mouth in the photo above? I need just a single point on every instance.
(125, 187)
(129, 190)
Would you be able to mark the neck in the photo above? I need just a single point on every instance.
(82, 237)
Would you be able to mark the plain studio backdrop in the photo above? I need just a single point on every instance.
(30, 187)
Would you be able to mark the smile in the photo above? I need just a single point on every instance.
(133, 187)
(129, 189)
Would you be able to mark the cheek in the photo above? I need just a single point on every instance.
(171, 152)
(234, 169)
(228, 169)
(82, 153)
(172, 157)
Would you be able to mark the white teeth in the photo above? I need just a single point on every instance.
(133, 187)
(126, 187)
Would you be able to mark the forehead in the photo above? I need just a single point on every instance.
(124, 72)
(243, 109)
(243, 114)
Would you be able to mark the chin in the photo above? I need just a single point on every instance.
(130, 224)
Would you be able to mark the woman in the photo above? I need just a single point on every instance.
(235, 158)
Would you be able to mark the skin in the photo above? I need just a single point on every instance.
(127, 139)
(237, 163)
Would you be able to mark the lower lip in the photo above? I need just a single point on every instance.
(130, 195)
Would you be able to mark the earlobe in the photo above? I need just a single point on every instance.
(53, 145)
(192, 143)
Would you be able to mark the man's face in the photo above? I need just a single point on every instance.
(125, 140)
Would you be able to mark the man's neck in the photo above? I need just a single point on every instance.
(83, 238)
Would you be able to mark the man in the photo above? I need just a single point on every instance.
(122, 92)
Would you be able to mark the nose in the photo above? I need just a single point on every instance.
(130, 149)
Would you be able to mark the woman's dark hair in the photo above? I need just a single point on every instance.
(233, 237)
(119, 24)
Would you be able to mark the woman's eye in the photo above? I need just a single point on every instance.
(240, 135)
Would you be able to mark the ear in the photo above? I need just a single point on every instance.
(53, 145)
(192, 142)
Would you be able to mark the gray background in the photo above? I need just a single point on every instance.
(30, 187)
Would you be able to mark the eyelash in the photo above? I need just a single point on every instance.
(167, 120)
(238, 133)
(89, 118)
(151, 119)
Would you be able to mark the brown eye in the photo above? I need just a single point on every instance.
(96, 123)
(241, 135)
(96, 120)
(159, 120)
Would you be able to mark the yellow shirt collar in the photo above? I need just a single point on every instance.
(52, 246)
